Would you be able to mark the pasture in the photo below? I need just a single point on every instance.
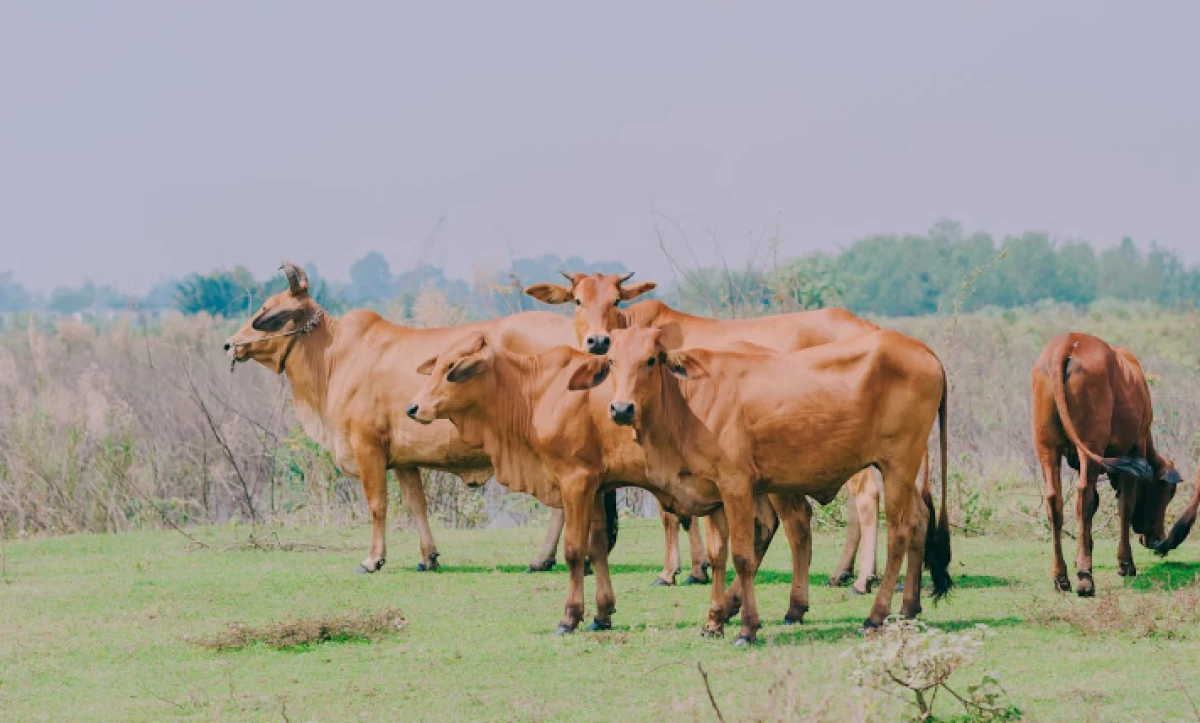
(105, 627)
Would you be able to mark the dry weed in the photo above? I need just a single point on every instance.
(302, 632)
(1127, 613)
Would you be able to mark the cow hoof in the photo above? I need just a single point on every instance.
(1087, 587)
(598, 626)
(743, 641)
(712, 630)
(659, 582)
(869, 627)
(433, 561)
(855, 591)
(789, 619)
(543, 566)
(693, 580)
(841, 579)
(564, 629)
(1127, 569)
(364, 569)
(1062, 583)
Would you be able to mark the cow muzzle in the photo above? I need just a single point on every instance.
(622, 412)
(598, 343)
(414, 413)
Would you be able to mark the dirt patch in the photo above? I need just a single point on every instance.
(1161, 613)
(305, 632)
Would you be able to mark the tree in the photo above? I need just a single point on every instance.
(13, 296)
(371, 279)
(69, 300)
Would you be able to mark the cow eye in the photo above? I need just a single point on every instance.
(617, 303)
(577, 302)
(650, 362)
(611, 363)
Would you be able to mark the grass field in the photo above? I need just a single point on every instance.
(103, 627)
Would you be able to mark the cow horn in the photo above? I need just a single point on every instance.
(625, 278)
(568, 276)
(296, 277)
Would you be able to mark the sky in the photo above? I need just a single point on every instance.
(140, 140)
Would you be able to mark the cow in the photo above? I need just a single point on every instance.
(597, 299)
(351, 379)
(1091, 404)
(797, 423)
(548, 434)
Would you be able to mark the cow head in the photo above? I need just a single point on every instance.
(596, 298)
(637, 362)
(1150, 512)
(456, 379)
(268, 336)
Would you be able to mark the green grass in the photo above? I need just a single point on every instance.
(99, 628)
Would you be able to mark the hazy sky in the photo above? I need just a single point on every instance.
(144, 139)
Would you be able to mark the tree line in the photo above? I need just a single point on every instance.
(885, 275)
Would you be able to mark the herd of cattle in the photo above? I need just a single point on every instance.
(738, 422)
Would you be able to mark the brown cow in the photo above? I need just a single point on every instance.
(792, 423)
(560, 446)
(1091, 404)
(597, 298)
(351, 379)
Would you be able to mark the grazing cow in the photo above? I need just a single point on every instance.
(548, 439)
(351, 379)
(597, 298)
(1091, 404)
(797, 423)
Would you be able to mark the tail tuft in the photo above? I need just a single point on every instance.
(1134, 467)
(1178, 534)
(610, 518)
(937, 551)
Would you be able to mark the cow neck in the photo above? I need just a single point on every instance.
(502, 423)
(310, 365)
(671, 428)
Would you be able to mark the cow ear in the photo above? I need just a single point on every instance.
(635, 290)
(468, 368)
(686, 364)
(670, 336)
(589, 374)
(549, 293)
(427, 366)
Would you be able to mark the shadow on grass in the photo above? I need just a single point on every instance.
(1166, 575)
(838, 629)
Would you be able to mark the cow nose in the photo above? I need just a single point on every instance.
(412, 411)
(598, 344)
(621, 412)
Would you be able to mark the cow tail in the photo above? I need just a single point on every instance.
(1182, 526)
(610, 518)
(1134, 466)
(937, 534)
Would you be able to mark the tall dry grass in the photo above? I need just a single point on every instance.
(114, 428)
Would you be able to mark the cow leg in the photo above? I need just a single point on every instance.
(700, 564)
(901, 497)
(717, 540)
(578, 497)
(1127, 503)
(606, 598)
(796, 514)
(409, 481)
(739, 511)
(766, 524)
(1051, 463)
(544, 562)
(843, 571)
(866, 500)
(372, 468)
(1087, 500)
(910, 601)
(670, 569)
